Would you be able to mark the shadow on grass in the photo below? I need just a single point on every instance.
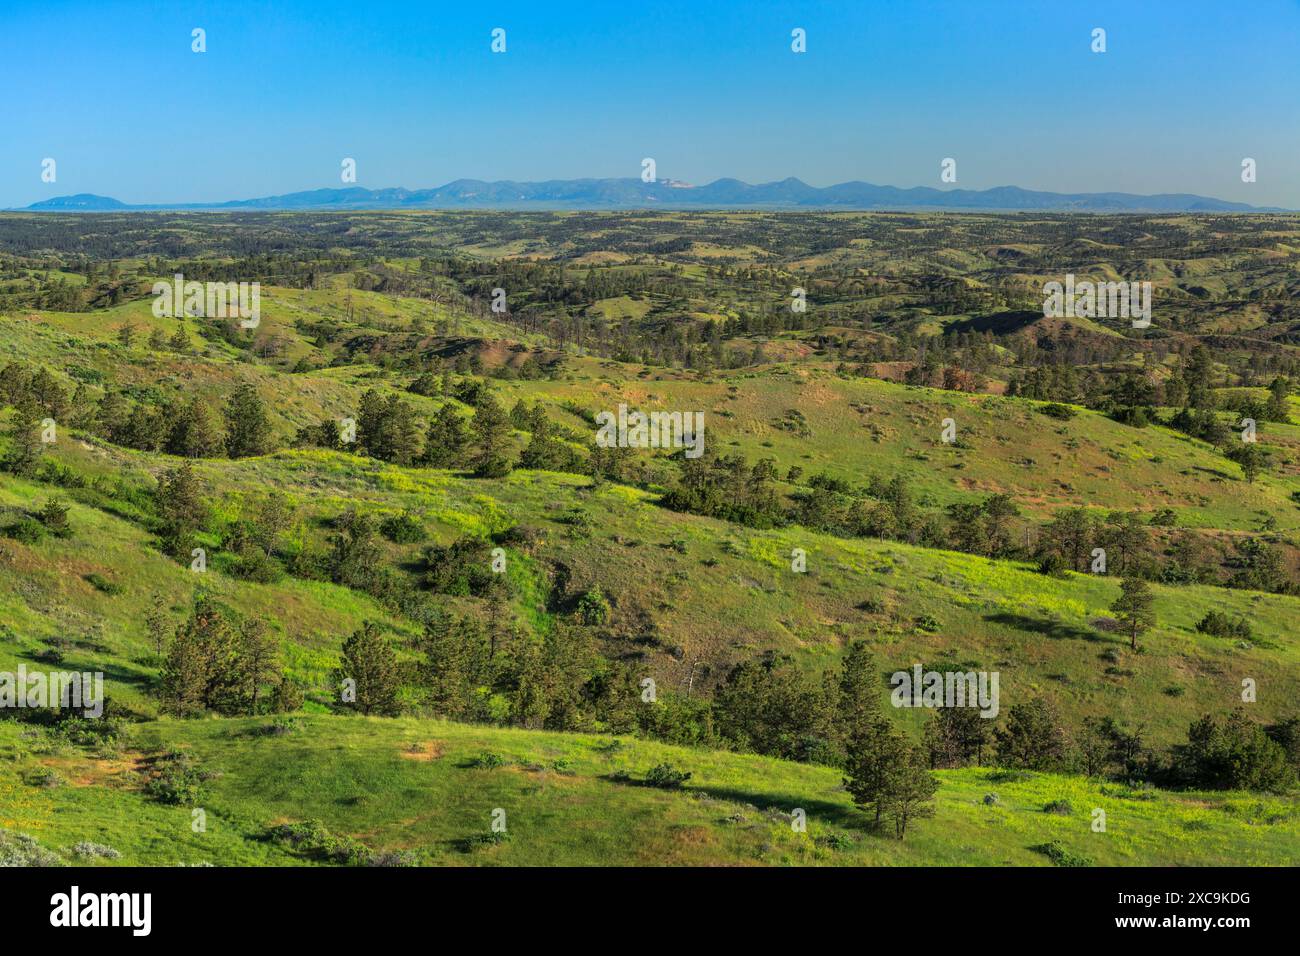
(824, 810)
(1055, 630)
(1214, 471)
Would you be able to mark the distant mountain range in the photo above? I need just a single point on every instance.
(669, 194)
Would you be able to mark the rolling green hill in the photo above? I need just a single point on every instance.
(678, 312)
(411, 789)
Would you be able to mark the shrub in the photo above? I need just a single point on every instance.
(1060, 855)
(177, 779)
(256, 565)
(833, 841)
(1217, 624)
(90, 850)
(393, 858)
(26, 530)
(311, 839)
(1053, 564)
(288, 696)
(1164, 518)
(54, 516)
(45, 778)
(666, 777)
(1057, 410)
(488, 760)
(1060, 807)
(19, 849)
(480, 841)
(280, 727)
(593, 607)
(404, 528)
(103, 584)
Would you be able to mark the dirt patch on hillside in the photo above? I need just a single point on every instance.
(426, 751)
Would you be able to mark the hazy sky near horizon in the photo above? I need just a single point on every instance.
(1009, 88)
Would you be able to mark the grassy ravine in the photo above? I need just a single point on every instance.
(408, 785)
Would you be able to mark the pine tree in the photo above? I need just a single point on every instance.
(259, 661)
(180, 341)
(1250, 458)
(874, 753)
(158, 623)
(1278, 409)
(1135, 609)
(369, 661)
(371, 416)
(491, 430)
(25, 445)
(1032, 738)
(402, 432)
(196, 433)
(180, 506)
(202, 671)
(858, 693)
(445, 445)
(248, 426)
(909, 794)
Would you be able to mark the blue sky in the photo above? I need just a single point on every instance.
(887, 89)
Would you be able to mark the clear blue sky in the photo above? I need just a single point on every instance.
(887, 89)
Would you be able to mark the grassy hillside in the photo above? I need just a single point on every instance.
(913, 604)
(411, 786)
(671, 312)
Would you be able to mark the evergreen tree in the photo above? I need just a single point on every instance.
(956, 736)
(1135, 608)
(258, 659)
(910, 792)
(874, 754)
(1248, 455)
(858, 693)
(1233, 753)
(445, 444)
(25, 445)
(181, 509)
(369, 661)
(196, 433)
(1033, 738)
(202, 671)
(491, 429)
(248, 426)
(1278, 408)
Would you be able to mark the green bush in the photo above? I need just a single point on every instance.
(176, 779)
(404, 528)
(26, 530)
(666, 777)
(480, 841)
(1057, 410)
(312, 840)
(593, 608)
(1060, 855)
(1217, 624)
(103, 584)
